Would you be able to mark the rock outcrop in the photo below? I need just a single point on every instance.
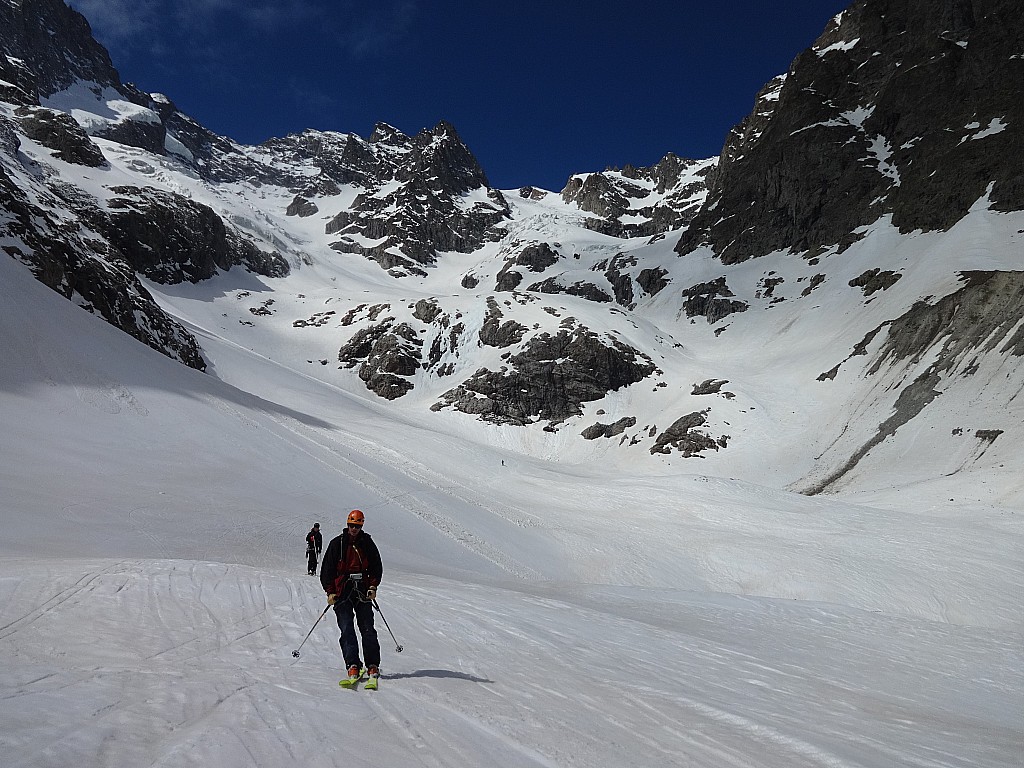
(641, 202)
(549, 379)
(170, 238)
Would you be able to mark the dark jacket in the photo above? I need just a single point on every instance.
(315, 540)
(334, 576)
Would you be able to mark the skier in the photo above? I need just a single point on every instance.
(350, 574)
(314, 546)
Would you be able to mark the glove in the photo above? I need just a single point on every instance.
(331, 599)
(371, 593)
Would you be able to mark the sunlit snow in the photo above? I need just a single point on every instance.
(152, 585)
(559, 602)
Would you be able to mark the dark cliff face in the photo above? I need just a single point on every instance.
(171, 239)
(56, 46)
(904, 107)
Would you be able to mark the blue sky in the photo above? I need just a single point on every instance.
(538, 90)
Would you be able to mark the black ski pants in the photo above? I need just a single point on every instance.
(351, 611)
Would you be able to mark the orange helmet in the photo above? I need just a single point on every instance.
(355, 517)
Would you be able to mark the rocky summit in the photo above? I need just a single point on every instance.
(854, 254)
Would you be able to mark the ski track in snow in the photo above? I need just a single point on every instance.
(349, 466)
(183, 663)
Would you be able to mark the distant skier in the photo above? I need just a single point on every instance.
(314, 546)
(350, 574)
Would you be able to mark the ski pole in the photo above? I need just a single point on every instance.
(295, 653)
(397, 646)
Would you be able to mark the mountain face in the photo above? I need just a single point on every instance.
(903, 109)
(424, 213)
(48, 47)
(641, 202)
(856, 247)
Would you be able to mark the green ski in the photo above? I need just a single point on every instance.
(351, 680)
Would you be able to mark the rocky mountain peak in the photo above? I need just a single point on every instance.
(444, 161)
(429, 209)
(908, 108)
(387, 134)
(444, 128)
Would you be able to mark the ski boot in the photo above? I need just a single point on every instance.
(354, 674)
(372, 676)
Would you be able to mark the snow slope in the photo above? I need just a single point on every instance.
(156, 662)
(552, 613)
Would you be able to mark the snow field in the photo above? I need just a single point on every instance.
(181, 663)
